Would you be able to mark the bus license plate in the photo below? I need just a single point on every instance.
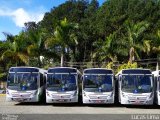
(137, 102)
(61, 100)
(19, 99)
(99, 101)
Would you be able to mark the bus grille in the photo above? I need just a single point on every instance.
(61, 96)
(134, 98)
(98, 96)
(21, 95)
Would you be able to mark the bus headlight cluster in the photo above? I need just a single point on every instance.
(84, 94)
(111, 94)
(35, 93)
(75, 93)
(7, 92)
(123, 95)
(151, 95)
(47, 94)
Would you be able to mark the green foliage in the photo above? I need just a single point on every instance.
(127, 66)
(89, 65)
(83, 31)
(110, 65)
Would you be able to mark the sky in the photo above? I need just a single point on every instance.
(14, 13)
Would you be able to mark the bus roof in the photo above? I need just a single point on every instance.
(24, 69)
(97, 71)
(62, 70)
(135, 71)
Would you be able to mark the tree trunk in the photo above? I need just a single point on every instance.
(131, 55)
(39, 61)
(62, 59)
(84, 57)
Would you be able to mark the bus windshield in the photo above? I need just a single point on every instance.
(137, 83)
(98, 83)
(61, 82)
(22, 81)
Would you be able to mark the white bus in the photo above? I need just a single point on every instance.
(25, 84)
(62, 85)
(135, 86)
(157, 85)
(98, 86)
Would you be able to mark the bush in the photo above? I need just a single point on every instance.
(127, 66)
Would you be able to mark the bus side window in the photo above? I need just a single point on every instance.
(120, 77)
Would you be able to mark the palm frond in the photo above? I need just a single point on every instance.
(7, 54)
(24, 58)
(147, 46)
(32, 49)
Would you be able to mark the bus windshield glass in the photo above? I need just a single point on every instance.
(137, 83)
(98, 83)
(22, 81)
(61, 82)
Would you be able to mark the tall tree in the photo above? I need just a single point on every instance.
(63, 38)
(134, 31)
(16, 50)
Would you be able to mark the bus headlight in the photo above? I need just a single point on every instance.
(7, 92)
(84, 94)
(47, 94)
(123, 95)
(111, 94)
(151, 95)
(75, 93)
(35, 92)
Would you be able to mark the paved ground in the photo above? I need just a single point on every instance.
(41, 111)
(41, 108)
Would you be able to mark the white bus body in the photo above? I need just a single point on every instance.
(25, 84)
(62, 85)
(135, 86)
(157, 85)
(98, 86)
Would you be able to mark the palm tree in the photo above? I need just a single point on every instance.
(16, 49)
(156, 44)
(110, 48)
(134, 31)
(104, 49)
(36, 46)
(156, 47)
(147, 47)
(63, 38)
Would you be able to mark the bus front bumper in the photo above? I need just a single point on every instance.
(61, 100)
(21, 99)
(137, 102)
(98, 101)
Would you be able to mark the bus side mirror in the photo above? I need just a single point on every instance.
(120, 78)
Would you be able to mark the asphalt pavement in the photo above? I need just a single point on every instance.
(38, 111)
